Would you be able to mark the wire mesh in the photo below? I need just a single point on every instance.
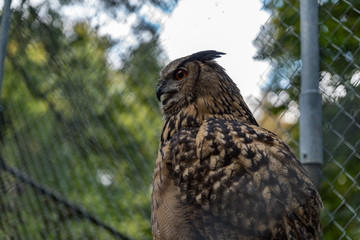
(339, 81)
(279, 43)
(77, 147)
(80, 121)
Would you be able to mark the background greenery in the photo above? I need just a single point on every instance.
(339, 36)
(79, 134)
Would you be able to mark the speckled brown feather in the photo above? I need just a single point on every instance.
(218, 174)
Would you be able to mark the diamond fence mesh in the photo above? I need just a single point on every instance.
(339, 84)
(80, 121)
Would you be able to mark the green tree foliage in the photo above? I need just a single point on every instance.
(340, 187)
(339, 36)
(78, 137)
(279, 43)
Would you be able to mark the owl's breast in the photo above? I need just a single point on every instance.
(169, 216)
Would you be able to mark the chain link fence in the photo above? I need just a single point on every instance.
(339, 84)
(78, 131)
(80, 122)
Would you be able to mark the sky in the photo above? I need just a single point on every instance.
(228, 26)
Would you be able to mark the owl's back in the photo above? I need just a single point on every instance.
(232, 180)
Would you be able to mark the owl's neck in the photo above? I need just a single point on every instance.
(193, 115)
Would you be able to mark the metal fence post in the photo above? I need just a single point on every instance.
(311, 149)
(4, 35)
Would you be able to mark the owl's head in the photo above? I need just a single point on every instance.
(199, 81)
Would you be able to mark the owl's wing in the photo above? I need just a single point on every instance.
(242, 178)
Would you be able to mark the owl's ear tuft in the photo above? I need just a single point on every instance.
(204, 56)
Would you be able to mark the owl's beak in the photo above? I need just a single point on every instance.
(159, 91)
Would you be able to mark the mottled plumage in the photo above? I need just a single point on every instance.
(218, 174)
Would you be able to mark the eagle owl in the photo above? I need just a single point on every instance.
(218, 174)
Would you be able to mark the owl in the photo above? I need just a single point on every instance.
(218, 174)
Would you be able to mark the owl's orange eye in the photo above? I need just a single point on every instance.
(180, 74)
